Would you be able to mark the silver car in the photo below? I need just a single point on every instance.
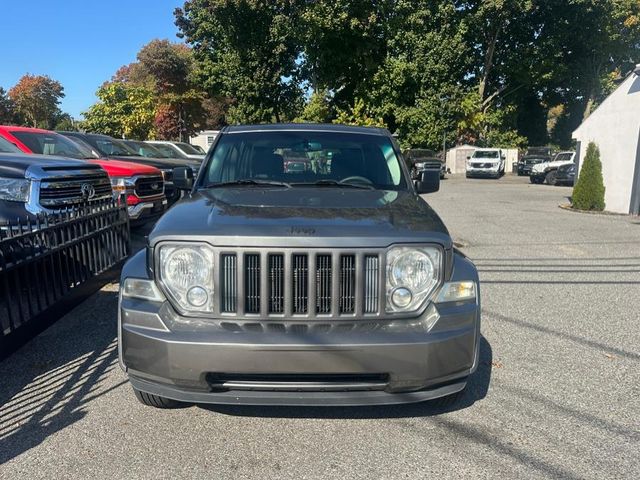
(333, 285)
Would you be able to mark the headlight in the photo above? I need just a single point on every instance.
(186, 271)
(14, 190)
(412, 275)
(121, 185)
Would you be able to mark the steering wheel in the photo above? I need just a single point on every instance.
(356, 178)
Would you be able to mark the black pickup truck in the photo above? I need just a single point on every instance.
(36, 185)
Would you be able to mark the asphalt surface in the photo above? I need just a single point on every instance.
(557, 394)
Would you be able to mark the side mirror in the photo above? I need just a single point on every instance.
(183, 178)
(468, 158)
(428, 182)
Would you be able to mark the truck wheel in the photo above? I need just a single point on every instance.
(551, 177)
(154, 400)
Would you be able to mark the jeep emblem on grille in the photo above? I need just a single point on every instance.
(88, 191)
(155, 186)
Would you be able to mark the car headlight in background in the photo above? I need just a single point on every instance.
(413, 273)
(122, 185)
(14, 190)
(186, 272)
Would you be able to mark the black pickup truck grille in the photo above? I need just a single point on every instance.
(73, 188)
(149, 186)
(307, 284)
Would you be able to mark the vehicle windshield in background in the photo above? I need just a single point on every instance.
(563, 157)
(145, 149)
(53, 144)
(481, 154)
(188, 148)
(328, 159)
(7, 147)
(168, 151)
(113, 147)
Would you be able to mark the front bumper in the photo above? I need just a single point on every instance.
(566, 179)
(524, 170)
(483, 172)
(292, 362)
(147, 210)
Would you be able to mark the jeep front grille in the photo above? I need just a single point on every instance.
(72, 189)
(316, 284)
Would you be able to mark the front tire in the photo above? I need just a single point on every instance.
(156, 401)
(551, 177)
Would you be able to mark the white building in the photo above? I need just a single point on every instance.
(204, 139)
(615, 127)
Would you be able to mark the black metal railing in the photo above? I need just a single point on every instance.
(42, 262)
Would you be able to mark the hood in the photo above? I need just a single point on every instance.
(302, 216)
(14, 165)
(117, 168)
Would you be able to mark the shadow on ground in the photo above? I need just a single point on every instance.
(47, 385)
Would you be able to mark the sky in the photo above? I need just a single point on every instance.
(80, 43)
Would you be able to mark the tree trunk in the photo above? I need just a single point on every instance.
(591, 100)
(488, 63)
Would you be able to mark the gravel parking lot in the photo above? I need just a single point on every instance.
(556, 395)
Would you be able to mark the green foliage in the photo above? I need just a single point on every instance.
(588, 194)
(358, 114)
(247, 50)
(318, 109)
(123, 110)
(7, 108)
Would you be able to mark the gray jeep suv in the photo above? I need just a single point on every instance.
(332, 285)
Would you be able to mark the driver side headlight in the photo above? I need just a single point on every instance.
(413, 273)
(186, 273)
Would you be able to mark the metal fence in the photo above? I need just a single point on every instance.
(44, 262)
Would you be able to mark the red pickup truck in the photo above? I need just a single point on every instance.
(143, 185)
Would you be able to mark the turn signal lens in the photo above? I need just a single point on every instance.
(457, 292)
(142, 289)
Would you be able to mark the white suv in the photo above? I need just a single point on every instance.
(486, 162)
(178, 149)
(546, 171)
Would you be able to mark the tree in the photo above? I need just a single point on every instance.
(358, 114)
(247, 50)
(123, 110)
(318, 108)
(37, 99)
(7, 108)
(588, 194)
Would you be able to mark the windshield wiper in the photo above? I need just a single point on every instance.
(249, 182)
(333, 183)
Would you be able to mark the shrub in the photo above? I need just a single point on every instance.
(588, 194)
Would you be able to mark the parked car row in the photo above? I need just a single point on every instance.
(548, 171)
(43, 171)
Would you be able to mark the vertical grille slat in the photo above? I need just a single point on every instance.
(252, 283)
(347, 283)
(323, 284)
(300, 274)
(371, 283)
(276, 283)
(229, 283)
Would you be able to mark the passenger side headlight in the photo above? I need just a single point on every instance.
(412, 275)
(186, 272)
(14, 190)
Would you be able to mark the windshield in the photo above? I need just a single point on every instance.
(112, 147)
(485, 154)
(7, 147)
(564, 157)
(51, 143)
(188, 149)
(306, 158)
